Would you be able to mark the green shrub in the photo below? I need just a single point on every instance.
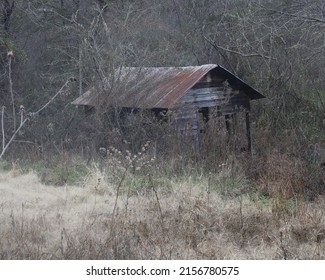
(5, 166)
(57, 171)
(64, 174)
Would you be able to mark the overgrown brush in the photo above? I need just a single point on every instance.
(190, 221)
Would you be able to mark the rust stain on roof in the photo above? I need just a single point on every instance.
(155, 87)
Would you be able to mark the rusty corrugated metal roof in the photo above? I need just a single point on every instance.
(157, 87)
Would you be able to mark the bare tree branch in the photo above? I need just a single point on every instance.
(29, 115)
(7, 12)
(52, 98)
(10, 55)
(306, 18)
(236, 52)
(3, 127)
(12, 138)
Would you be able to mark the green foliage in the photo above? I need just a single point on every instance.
(61, 175)
(8, 45)
(5, 166)
(57, 172)
(144, 184)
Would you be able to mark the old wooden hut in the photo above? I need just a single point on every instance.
(189, 92)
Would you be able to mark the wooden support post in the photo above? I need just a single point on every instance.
(228, 126)
(249, 135)
(195, 132)
(235, 132)
(231, 125)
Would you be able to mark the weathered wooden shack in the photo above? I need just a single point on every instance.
(191, 93)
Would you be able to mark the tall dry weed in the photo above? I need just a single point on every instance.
(283, 176)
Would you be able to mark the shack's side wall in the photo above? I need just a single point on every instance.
(210, 91)
(236, 103)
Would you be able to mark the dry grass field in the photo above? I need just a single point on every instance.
(184, 220)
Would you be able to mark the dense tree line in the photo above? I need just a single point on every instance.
(276, 46)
